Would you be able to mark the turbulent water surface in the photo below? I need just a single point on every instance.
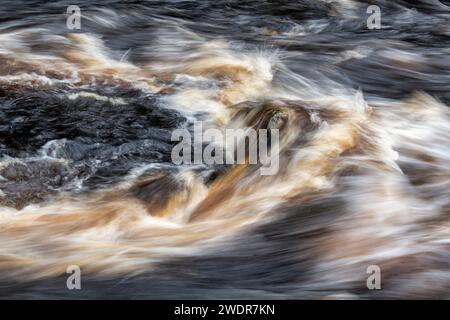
(86, 176)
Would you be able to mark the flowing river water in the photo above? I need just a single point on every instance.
(86, 176)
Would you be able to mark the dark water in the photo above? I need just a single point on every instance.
(86, 177)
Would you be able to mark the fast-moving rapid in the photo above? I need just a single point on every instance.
(87, 178)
